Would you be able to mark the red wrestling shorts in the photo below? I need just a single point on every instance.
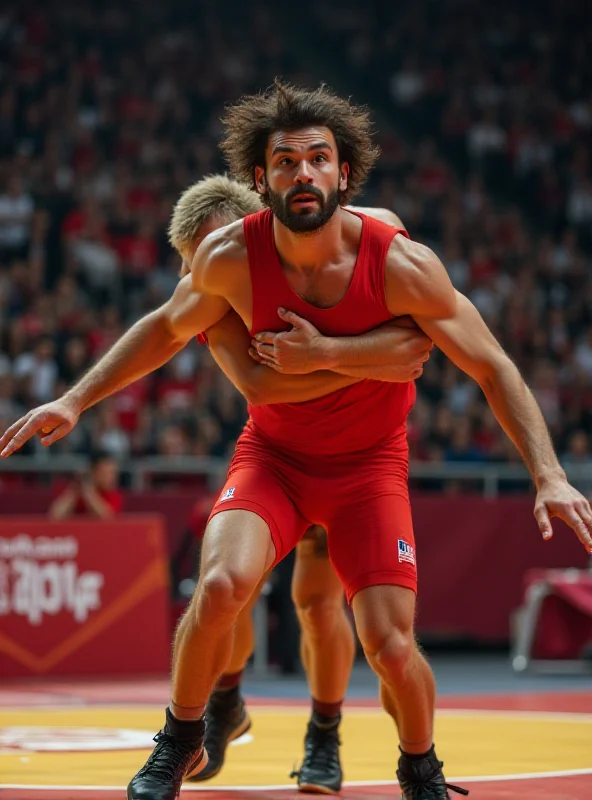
(361, 499)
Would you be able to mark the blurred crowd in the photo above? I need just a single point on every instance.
(107, 112)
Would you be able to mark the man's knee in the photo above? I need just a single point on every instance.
(384, 621)
(319, 614)
(222, 592)
(390, 652)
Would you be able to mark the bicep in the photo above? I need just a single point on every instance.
(416, 282)
(465, 339)
(190, 312)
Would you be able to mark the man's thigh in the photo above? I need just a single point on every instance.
(371, 542)
(257, 488)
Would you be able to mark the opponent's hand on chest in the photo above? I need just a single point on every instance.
(297, 351)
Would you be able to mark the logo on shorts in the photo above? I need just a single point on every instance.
(406, 552)
(228, 494)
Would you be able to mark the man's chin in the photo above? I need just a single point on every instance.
(305, 223)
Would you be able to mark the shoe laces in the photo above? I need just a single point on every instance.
(170, 758)
(320, 751)
(428, 786)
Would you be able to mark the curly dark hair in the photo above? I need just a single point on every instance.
(284, 107)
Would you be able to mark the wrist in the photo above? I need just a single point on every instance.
(76, 399)
(548, 476)
(327, 353)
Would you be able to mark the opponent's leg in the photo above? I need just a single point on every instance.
(327, 651)
(327, 642)
(226, 715)
(237, 550)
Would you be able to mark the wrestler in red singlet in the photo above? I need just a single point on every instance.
(339, 461)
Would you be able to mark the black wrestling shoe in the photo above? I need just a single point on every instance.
(226, 719)
(321, 771)
(423, 779)
(174, 758)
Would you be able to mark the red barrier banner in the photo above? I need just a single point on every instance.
(83, 597)
(472, 557)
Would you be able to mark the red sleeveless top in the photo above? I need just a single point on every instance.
(351, 419)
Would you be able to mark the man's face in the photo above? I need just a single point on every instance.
(106, 474)
(209, 226)
(302, 178)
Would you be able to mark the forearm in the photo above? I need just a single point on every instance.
(229, 343)
(374, 372)
(145, 347)
(344, 354)
(519, 414)
(266, 386)
(261, 385)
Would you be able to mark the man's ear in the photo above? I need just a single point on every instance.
(260, 180)
(343, 176)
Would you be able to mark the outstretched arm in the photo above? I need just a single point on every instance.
(456, 327)
(149, 343)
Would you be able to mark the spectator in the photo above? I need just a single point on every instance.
(96, 494)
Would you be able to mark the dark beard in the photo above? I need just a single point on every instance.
(305, 220)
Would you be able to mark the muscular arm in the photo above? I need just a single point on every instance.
(457, 328)
(149, 343)
(229, 342)
(417, 283)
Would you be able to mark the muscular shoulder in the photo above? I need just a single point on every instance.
(381, 214)
(416, 281)
(220, 259)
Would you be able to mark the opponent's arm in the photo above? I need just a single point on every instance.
(456, 327)
(229, 342)
(146, 346)
(395, 351)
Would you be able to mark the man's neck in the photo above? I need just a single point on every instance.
(310, 251)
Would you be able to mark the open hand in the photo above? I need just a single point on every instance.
(53, 420)
(557, 498)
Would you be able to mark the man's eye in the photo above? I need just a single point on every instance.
(320, 157)
(284, 162)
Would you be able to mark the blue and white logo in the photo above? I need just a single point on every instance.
(406, 552)
(228, 494)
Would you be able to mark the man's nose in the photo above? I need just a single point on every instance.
(303, 175)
